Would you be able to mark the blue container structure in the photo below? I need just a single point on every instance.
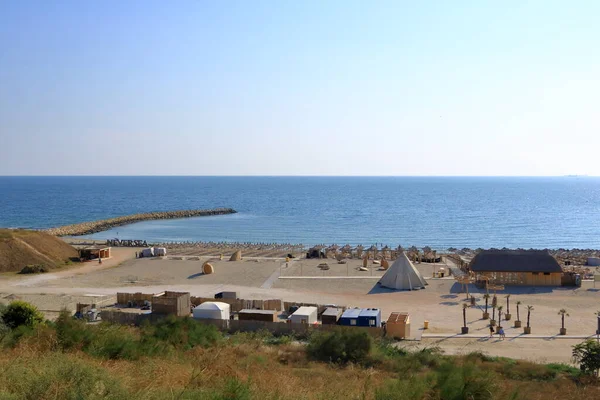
(370, 317)
(350, 317)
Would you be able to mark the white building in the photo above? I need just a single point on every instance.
(304, 315)
(212, 310)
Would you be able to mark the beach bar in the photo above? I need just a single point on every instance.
(517, 267)
(94, 252)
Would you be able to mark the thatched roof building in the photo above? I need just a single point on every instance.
(517, 267)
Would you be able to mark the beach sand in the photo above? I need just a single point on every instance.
(267, 278)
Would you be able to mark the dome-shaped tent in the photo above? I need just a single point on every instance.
(212, 310)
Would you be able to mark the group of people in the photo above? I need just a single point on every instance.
(500, 332)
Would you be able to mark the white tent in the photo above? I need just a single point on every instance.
(211, 310)
(148, 252)
(403, 275)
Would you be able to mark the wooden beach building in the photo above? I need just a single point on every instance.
(94, 252)
(517, 267)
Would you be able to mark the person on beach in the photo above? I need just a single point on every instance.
(502, 334)
(491, 331)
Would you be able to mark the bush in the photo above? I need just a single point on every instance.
(587, 354)
(181, 333)
(458, 382)
(528, 372)
(71, 332)
(20, 313)
(114, 342)
(564, 369)
(414, 388)
(58, 377)
(33, 269)
(340, 346)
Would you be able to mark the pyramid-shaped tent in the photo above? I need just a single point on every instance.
(403, 275)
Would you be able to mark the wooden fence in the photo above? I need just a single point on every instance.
(241, 304)
(136, 299)
(233, 326)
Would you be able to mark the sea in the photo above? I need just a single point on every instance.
(440, 212)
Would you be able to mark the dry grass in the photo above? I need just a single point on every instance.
(250, 369)
(19, 248)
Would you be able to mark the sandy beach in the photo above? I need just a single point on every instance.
(343, 284)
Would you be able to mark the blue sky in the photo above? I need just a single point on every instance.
(299, 88)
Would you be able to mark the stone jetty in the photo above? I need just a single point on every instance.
(87, 228)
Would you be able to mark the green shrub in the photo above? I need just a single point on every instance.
(587, 354)
(113, 342)
(181, 333)
(20, 313)
(564, 369)
(528, 372)
(58, 377)
(414, 388)
(33, 269)
(278, 340)
(459, 382)
(340, 346)
(71, 332)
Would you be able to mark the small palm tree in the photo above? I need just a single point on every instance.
(518, 304)
(529, 310)
(494, 300)
(465, 315)
(487, 298)
(493, 312)
(508, 303)
(562, 314)
(499, 316)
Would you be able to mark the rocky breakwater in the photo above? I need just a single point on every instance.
(87, 228)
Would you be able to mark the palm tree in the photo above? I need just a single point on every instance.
(486, 315)
(562, 314)
(494, 300)
(465, 329)
(500, 317)
(414, 252)
(518, 320)
(529, 310)
(493, 320)
(508, 303)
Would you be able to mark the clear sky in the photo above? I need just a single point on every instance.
(299, 87)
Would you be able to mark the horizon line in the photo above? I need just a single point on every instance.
(295, 176)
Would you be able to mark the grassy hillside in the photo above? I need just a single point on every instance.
(19, 248)
(183, 359)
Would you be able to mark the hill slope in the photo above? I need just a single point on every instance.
(19, 248)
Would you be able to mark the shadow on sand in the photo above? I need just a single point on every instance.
(378, 289)
(458, 288)
(449, 296)
(195, 275)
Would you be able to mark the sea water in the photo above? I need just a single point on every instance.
(440, 212)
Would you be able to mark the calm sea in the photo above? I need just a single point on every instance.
(437, 211)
